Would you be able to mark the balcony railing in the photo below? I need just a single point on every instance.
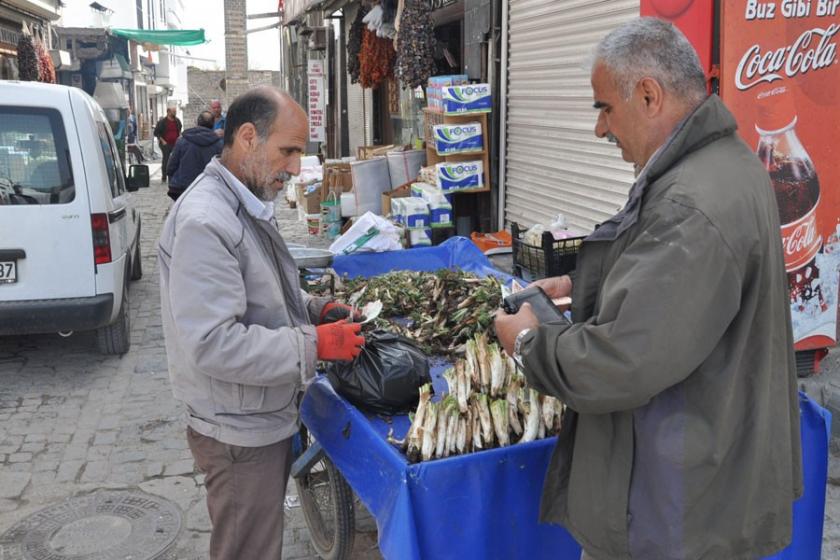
(9, 36)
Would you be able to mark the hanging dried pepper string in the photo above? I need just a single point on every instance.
(376, 60)
(354, 46)
(416, 45)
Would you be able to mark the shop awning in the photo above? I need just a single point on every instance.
(179, 37)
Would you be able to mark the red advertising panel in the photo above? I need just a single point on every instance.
(780, 77)
(692, 17)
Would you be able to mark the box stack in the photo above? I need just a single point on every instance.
(436, 85)
(459, 176)
(456, 133)
(472, 98)
(451, 139)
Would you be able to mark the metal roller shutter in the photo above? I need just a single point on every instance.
(554, 161)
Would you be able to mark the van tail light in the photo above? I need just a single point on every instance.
(101, 238)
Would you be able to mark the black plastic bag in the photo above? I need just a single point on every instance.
(385, 377)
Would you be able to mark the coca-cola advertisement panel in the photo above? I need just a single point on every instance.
(781, 78)
(693, 17)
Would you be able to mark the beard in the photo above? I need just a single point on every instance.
(260, 179)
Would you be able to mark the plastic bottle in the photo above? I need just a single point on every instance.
(558, 228)
(797, 190)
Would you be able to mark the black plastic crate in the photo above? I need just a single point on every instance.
(439, 235)
(554, 257)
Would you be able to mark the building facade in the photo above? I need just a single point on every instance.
(39, 17)
(153, 76)
(207, 85)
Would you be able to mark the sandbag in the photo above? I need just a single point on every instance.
(370, 179)
(368, 234)
(404, 166)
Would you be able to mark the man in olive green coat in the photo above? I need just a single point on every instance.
(682, 441)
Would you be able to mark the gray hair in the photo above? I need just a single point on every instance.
(651, 47)
(205, 119)
(258, 106)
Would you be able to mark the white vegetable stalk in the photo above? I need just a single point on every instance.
(499, 411)
(483, 355)
(440, 444)
(464, 386)
(429, 425)
(497, 370)
(532, 418)
(486, 420)
(414, 438)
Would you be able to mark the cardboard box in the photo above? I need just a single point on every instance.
(453, 139)
(399, 192)
(474, 98)
(337, 179)
(311, 203)
(368, 152)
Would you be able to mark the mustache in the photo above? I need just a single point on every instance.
(612, 138)
(283, 176)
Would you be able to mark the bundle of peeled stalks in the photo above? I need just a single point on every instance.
(439, 311)
(488, 405)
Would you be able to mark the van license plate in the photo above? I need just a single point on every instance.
(8, 272)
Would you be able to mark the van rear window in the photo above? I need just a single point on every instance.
(34, 157)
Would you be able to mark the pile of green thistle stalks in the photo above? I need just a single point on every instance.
(439, 311)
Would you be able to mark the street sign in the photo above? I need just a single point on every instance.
(317, 106)
(315, 68)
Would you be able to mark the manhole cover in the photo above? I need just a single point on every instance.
(105, 525)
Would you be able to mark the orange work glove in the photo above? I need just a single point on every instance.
(339, 341)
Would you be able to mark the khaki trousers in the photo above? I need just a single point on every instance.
(246, 487)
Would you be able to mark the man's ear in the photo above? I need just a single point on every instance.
(651, 95)
(247, 135)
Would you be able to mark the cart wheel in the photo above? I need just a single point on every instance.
(327, 503)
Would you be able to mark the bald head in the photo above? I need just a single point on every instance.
(265, 135)
(261, 106)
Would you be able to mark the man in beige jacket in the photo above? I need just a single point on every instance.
(242, 338)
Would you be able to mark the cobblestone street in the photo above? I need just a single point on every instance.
(73, 421)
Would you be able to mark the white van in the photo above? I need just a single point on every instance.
(69, 235)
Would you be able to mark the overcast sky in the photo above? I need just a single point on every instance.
(263, 46)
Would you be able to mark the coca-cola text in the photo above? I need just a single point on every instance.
(800, 241)
(799, 58)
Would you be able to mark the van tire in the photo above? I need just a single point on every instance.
(137, 264)
(115, 339)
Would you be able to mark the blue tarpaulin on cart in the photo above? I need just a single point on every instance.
(486, 504)
(481, 505)
(456, 252)
(809, 510)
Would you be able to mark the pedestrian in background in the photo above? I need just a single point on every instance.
(219, 117)
(682, 435)
(131, 146)
(242, 338)
(167, 131)
(192, 152)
